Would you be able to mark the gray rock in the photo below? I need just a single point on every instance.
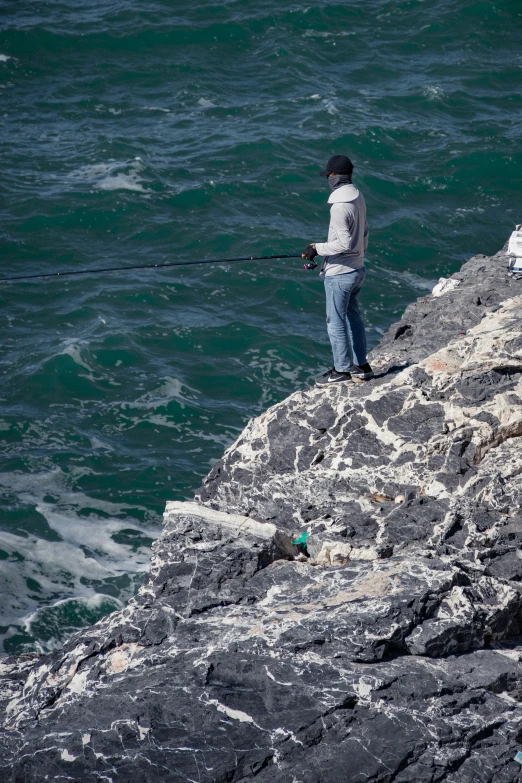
(386, 648)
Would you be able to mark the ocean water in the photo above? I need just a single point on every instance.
(140, 133)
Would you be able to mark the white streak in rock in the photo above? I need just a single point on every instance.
(242, 717)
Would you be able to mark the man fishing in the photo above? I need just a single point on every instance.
(343, 272)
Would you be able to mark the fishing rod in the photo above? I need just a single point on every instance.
(145, 266)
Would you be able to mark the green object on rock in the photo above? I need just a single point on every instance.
(303, 538)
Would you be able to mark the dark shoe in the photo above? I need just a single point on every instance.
(331, 377)
(362, 373)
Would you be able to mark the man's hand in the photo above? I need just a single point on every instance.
(310, 252)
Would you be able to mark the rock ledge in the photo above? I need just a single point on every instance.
(385, 648)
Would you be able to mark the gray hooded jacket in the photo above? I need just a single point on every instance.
(348, 233)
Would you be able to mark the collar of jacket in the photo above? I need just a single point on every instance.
(344, 193)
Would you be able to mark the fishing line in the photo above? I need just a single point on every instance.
(145, 266)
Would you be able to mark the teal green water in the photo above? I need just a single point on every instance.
(134, 133)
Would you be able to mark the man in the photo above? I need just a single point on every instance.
(343, 272)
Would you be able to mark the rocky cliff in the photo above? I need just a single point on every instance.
(386, 649)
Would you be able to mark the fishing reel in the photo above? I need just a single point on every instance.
(310, 265)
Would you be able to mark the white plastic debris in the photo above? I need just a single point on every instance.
(444, 286)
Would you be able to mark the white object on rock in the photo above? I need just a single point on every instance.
(515, 249)
(444, 285)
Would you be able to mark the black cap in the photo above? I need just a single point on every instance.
(338, 163)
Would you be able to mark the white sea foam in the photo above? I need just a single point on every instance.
(100, 107)
(112, 176)
(206, 104)
(330, 106)
(416, 282)
(271, 364)
(170, 389)
(72, 348)
(121, 182)
(322, 34)
(49, 616)
(85, 553)
(160, 420)
(96, 443)
(432, 92)
(62, 567)
(4, 58)
(463, 212)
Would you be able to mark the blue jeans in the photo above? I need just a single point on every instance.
(343, 319)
